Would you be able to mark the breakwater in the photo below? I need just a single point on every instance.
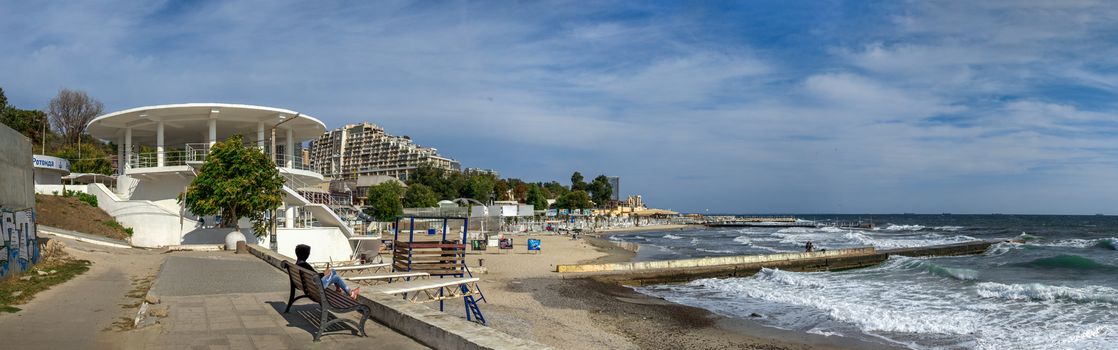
(683, 270)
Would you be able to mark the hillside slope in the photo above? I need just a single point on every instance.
(71, 214)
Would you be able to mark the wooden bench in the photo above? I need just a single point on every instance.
(328, 299)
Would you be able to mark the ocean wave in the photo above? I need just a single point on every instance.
(830, 229)
(806, 290)
(796, 230)
(892, 227)
(1066, 261)
(1109, 243)
(671, 236)
(715, 251)
(948, 228)
(788, 278)
(743, 240)
(1002, 248)
(957, 273)
(1042, 292)
(823, 332)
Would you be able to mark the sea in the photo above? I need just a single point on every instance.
(1058, 289)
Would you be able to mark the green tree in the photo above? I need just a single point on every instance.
(235, 182)
(384, 201)
(420, 196)
(600, 190)
(536, 198)
(28, 122)
(577, 182)
(94, 158)
(554, 190)
(479, 187)
(577, 199)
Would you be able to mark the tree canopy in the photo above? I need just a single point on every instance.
(235, 182)
(536, 198)
(28, 122)
(600, 190)
(420, 196)
(70, 112)
(577, 199)
(383, 201)
(93, 158)
(577, 182)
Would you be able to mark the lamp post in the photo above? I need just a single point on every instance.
(275, 213)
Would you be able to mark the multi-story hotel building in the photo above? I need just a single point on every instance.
(365, 149)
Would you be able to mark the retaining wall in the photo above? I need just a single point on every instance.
(18, 248)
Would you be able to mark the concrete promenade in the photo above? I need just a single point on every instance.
(220, 300)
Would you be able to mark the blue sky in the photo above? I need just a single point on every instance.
(765, 106)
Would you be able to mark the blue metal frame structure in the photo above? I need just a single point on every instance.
(470, 303)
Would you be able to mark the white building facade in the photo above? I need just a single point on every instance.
(366, 149)
(161, 148)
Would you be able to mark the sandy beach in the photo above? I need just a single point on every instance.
(526, 298)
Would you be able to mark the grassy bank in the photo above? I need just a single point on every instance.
(19, 289)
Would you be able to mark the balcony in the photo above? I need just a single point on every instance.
(195, 154)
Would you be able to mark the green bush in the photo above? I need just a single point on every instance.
(84, 197)
(117, 225)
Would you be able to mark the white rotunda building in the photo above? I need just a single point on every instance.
(161, 149)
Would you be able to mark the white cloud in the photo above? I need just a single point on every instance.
(945, 98)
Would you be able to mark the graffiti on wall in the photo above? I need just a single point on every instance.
(19, 250)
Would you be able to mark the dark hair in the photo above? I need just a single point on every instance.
(302, 251)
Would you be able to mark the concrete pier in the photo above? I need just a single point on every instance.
(683, 270)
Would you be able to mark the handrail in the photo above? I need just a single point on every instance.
(197, 152)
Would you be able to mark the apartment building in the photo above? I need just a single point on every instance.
(366, 149)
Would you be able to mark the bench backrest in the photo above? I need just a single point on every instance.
(306, 281)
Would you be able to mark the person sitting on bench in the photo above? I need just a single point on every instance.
(329, 277)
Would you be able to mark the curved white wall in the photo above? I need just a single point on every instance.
(153, 226)
(326, 243)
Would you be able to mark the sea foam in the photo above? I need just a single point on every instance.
(1042, 292)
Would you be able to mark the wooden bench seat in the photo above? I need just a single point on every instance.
(328, 299)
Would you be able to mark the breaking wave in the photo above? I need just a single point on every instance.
(957, 273)
(1041, 292)
(671, 236)
(1109, 243)
(803, 290)
(892, 227)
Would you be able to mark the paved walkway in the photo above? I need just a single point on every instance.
(80, 313)
(220, 300)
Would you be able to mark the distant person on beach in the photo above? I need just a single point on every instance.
(329, 277)
(809, 247)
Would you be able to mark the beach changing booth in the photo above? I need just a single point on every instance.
(437, 253)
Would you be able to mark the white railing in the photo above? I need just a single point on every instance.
(196, 152)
